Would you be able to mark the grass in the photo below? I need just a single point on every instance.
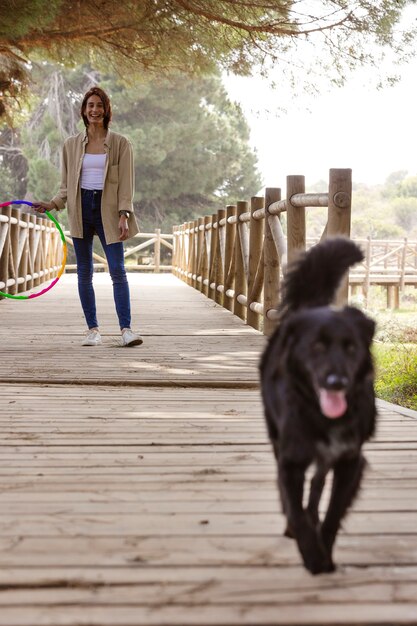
(395, 354)
(396, 373)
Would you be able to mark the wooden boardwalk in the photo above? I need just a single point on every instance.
(138, 486)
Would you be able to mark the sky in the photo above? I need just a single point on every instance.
(373, 132)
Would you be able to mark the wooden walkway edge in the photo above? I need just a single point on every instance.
(137, 486)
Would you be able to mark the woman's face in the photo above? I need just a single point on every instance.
(94, 111)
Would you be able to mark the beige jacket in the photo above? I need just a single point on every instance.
(119, 184)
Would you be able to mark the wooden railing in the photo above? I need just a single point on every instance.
(235, 256)
(30, 250)
(388, 263)
(154, 240)
(238, 255)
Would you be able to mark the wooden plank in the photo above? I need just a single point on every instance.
(173, 551)
(337, 614)
(178, 586)
(204, 523)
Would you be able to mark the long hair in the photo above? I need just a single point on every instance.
(97, 91)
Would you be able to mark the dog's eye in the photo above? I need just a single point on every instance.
(319, 347)
(350, 348)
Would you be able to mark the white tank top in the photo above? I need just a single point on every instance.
(92, 172)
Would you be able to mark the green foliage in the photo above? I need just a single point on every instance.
(395, 354)
(392, 181)
(396, 373)
(43, 178)
(380, 212)
(191, 147)
(19, 17)
(408, 187)
(405, 210)
(193, 36)
(8, 184)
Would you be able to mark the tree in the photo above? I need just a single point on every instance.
(192, 36)
(191, 147)
(8, 184)
(405, 210)
(408, 187)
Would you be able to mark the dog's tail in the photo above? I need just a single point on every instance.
(313, 279)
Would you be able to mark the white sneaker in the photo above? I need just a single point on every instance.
(129, 338)
(93, 338)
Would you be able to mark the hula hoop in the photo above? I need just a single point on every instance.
(64, 258)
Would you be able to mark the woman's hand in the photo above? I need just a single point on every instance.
(123, 228)
(41, 207)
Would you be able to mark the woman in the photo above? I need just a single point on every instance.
(97, 185)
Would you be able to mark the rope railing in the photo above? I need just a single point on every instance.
(238, 255)
(30, 250)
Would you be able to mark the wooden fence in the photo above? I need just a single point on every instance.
(237, 256)
(389, 263)
(30, 250)
(155, 240)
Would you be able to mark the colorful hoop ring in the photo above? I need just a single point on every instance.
(64, 258)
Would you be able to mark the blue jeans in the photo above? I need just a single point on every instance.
(92, 223)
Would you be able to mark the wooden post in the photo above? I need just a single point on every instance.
(271, 264)
(340, 202)
(240, 275)
(205, 269)
(393, 296)
(192, 247)
(403, 263)
(31, 238)
(221, 234)
(255, 252)
(175, 249)
(191, 235)
(200, 253)
(180, 248)
(4, 253)
(37, 245)
(25, 253)
(157, 251)
(339, 215)
(42, 247)
(13, 252)
(213, 257)
(185, 251)
(229, 256)
(296, 218)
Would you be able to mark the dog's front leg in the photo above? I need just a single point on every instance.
(316, 490)
(346, 482)
(291, 483)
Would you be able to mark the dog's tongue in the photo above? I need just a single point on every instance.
(332, 403)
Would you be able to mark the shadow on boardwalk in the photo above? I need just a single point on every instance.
(147, 495)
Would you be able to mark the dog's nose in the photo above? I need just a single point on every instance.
(334, 381)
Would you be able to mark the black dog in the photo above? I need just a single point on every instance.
(317, 389)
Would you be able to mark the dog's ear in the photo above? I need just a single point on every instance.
(363, 323)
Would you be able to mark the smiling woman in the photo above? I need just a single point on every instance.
(97, 185)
